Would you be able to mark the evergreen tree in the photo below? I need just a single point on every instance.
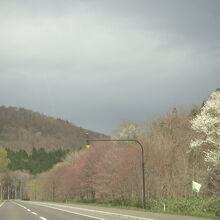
(4, 161)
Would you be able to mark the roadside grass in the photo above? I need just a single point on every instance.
(186, 213)
(195, 206)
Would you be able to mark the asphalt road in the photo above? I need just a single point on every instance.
(20, 210)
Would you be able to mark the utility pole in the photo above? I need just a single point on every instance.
(35, 191)
(20, 191)
(15, 190)
(53, 191)
(8, 193)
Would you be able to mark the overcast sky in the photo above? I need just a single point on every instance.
(99, 62)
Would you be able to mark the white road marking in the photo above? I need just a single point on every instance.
(109, 213)
(95, 211)
(20, 205)
(89, 216)
(2, 204)
(34, 213)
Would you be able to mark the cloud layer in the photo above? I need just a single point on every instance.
(97, 63)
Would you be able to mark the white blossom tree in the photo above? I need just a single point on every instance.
(128, 130)
(207, 126)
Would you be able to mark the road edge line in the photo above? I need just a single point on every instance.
(89, 216)
(2, 204)
(92, 210)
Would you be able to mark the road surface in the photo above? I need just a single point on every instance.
(23, 210)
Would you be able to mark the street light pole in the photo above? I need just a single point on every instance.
(142, 157)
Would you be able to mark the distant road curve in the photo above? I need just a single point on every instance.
(26, 210)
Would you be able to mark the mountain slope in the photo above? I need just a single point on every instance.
(24, 129)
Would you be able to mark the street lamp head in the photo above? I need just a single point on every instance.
(87, 141)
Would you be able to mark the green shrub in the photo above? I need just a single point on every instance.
(214, 207)
(188, 205)
(137, 203)
(155, 204)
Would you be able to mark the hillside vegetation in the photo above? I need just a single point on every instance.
(35, 162)
(24, 129)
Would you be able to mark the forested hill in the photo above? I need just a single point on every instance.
(24, 129)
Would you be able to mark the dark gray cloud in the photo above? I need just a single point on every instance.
(99, 62)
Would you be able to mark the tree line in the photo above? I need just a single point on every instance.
(16, 168)
(38, 161)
